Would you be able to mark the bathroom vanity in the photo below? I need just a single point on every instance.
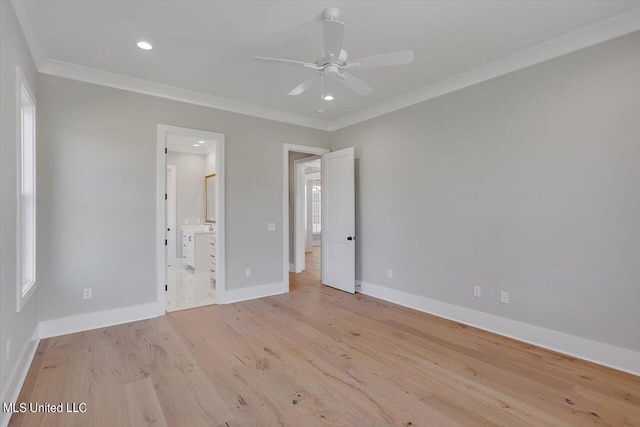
(196, 248)
(212, 256)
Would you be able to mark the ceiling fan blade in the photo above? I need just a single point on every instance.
(304, 86)
(383, 60)
(267, 60)
(355, 84)
(332, 35)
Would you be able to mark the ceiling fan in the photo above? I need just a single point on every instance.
(335, 62)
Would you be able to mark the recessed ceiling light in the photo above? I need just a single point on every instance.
(196, 145)
(328, 98)
(201, 142)
(144, 45)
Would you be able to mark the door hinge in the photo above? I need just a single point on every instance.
(165, 242)
(165, 196)
(166, 150)
(166, 288)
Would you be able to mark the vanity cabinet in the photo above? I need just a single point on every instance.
(188, 240)
(195, 250)
(212, 256)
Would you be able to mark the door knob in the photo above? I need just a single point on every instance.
(351, 238)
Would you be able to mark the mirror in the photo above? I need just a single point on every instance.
(210, 197)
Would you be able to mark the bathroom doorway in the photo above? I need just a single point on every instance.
(190, 218)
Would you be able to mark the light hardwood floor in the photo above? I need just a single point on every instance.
(318, 356)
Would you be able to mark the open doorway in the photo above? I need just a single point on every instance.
(190, 279)
(337, 260)
(305, 222)
(303, 215)
(191, 218)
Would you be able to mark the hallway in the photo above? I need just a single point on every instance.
(312, 274)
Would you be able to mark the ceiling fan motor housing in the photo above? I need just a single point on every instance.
(331, 70)
(331, 13)
(341, 61)
(334, 63)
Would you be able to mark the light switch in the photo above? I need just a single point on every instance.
(272, 226)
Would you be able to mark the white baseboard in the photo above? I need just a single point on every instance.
(100, 319)
(253, 292)
(292, 269)
(16, 379)
(593, 351)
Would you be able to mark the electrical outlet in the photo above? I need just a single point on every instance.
(247, 272)
(390, 274)
(87, 293)
(271, 226)
(477, 292)
(8, 348)
(504, 297)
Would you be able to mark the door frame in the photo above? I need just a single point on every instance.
(161, 220)
(299, 190)
(172, 206)
(286, 149)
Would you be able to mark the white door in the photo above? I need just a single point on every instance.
(339, 220)
(171, 215)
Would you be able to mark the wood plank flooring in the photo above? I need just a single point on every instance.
(317, 357)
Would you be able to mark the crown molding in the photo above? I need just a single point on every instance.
(36, 40)
(597, 33)
(119, 81)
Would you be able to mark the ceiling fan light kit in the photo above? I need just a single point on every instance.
(335, 61)
(144, 45)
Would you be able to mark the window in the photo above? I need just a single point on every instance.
(316, 197)
(26, 174)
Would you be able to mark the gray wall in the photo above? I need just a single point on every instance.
(528, 183)
(18, 327)
(98, 178)
(190, 172)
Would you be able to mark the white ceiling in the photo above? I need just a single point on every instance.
(186, 144)
(206, 46)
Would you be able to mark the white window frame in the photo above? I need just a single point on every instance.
(26, 286)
